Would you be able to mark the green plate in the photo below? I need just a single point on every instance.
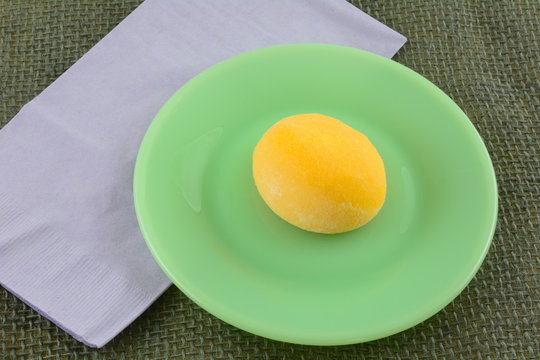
(216, 239)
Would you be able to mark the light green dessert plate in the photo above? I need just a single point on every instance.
(217, 240)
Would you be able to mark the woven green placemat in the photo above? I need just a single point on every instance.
(485, 55)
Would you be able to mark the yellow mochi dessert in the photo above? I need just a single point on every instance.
(319, 174)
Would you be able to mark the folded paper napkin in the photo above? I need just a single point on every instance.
(70, 245)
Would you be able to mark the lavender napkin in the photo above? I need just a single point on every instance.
(70, 246)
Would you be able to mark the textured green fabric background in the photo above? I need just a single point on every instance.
(485, 55)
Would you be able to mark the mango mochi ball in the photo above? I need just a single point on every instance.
(319, 174)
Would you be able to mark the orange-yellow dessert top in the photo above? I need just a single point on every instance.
(319, 174)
